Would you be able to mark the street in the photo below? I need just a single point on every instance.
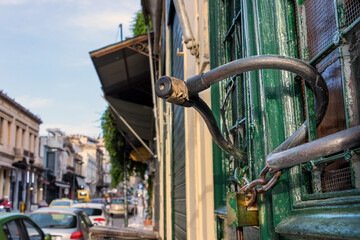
(119, 221)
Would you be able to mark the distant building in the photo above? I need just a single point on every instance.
(20, 165)
(106, 166)
(63, 165)
(92, 167)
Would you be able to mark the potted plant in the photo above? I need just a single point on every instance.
(148, 218)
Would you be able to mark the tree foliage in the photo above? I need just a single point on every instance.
(116, 146)
(139, 27)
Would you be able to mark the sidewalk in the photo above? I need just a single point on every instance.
(138, 223)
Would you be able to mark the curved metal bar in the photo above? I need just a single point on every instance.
(202, 108)
(186, 94)
(203, 81)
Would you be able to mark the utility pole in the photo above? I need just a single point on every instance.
(121, 32)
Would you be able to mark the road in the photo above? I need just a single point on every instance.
(119, 221)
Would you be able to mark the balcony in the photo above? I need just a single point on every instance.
(54, 143)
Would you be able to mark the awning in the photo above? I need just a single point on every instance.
(63, 185)
(124, 72)
(81, 182)
(139, 117)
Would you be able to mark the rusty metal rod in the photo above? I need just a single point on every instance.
(325, 146)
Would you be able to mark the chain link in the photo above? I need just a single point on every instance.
(263, 182)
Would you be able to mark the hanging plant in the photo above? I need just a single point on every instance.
(115, 145)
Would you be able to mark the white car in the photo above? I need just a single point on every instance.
(96, 212)
(63, 223)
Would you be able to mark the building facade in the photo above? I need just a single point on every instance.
(106, 166)
(92, 157)
(21, 166)
(62, 164)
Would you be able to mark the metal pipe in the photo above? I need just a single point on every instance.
(153, 94)
(202, 108)
(166, 86)
(325, 146)
(186, 93)
(189, 39)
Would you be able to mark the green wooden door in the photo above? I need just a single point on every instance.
(267, 106)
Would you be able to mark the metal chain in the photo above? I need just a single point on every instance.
(263, 182)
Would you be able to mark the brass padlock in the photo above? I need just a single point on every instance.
(247, 216)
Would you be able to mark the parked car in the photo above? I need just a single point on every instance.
(131, 205)
(97, 200)
(63, 223)
(19, 226)
(95, 211)
(62, 203)
(117, 207)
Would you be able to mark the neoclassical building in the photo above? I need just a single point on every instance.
(20, 165)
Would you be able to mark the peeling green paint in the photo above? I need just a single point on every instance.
(301, 2)
(231, 207)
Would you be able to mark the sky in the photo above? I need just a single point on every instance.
(44, 57)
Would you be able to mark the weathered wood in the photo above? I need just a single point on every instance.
(100, 232)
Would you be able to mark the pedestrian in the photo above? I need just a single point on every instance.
(140, 207)
(6, 203)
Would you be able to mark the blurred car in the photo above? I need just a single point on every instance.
(42, 203)
(97, 200)
(62, 203)
(20, 226)
(95, 211)
(117, 207)
(131, 205)
(63, 223)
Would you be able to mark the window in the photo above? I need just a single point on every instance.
(12, 230)
(61, 203)
(1, 130)
(9, 134)
(22, 138)
(333, 173)
(92, 211)
(50, 161)
(30, 141)
(85, 221)
(54, 220)
(33, 232)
